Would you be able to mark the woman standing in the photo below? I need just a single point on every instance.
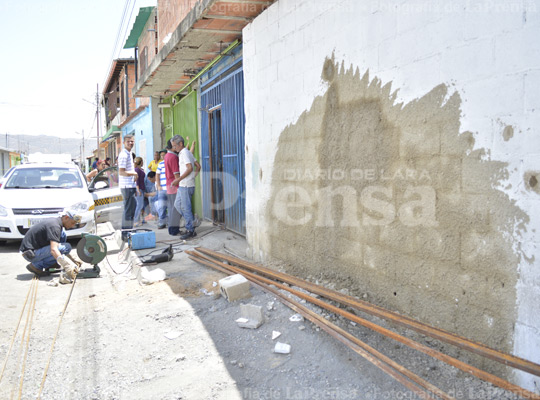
(139, 196)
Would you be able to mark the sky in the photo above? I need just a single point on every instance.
(54, 54)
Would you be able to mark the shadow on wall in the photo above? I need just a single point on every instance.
(391, 201)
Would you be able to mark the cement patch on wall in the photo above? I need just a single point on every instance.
(393, 201)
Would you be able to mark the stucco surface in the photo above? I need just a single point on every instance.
(393, 202)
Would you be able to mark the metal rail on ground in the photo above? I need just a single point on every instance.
(397, 371)
(409, 342)
(436, 333)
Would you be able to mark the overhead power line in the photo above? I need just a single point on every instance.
(127, 28)
(121, 33)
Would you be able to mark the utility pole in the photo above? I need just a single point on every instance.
(83, 157)
(97, 116)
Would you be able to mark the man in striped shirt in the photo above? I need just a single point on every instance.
(161, 202)
(126, 182)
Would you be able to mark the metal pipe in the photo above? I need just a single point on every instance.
(486, 376)
(445, 336)
(378, 359)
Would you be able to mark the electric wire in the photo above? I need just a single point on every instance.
(118, 33)
(25, 357)
(54, 339)
(120, 27)
(34, 280)
(127, 26)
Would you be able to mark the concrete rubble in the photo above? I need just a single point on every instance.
(282, 348)
(251, 316)
(147, 277)
(234, 287)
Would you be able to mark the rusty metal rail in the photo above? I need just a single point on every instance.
(393, 335)
(436, 333)
(397, 371)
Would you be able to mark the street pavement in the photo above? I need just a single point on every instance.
(89, 358)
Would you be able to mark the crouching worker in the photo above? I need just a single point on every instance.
(45, 245)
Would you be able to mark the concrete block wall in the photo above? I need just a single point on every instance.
(148, 40)
(170, 14)
(387, 91)
(130, 101)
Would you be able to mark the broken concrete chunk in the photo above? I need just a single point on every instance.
(282, 348)
(147, 277)
(275, 334)
(234, 287)
(251, 316)
(206, 292)
(296, 318)
(172, 335)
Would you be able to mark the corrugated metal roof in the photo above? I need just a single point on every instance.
(138, 26)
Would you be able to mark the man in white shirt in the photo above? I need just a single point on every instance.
(189, 169)
(127, 184)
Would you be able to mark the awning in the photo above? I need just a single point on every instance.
(138, 26)
(111, 133)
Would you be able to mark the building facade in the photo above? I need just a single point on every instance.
(397, 146)
(389, 148)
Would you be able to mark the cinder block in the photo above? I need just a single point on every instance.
(251, 316)
(234, 287)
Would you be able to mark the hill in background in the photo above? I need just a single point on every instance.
(48, 145)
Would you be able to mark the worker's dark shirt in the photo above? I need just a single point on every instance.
(40, 235)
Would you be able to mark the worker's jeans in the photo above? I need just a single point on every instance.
(129, 210)
(44, 259)
(173, 215)
(161, 206)
(183, 205)
(139, 201)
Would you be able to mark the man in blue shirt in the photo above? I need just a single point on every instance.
(150, 194)
(45, 244)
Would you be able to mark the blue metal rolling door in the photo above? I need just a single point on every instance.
(229, 95)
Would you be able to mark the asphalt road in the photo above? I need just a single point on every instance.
(114, 341)
(15, 282)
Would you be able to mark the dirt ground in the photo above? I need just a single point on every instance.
(178, 339)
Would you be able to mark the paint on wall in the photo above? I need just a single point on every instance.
(393, 202)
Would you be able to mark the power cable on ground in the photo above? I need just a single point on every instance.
(54, 339)
(30, 289)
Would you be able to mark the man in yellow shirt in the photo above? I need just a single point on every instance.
(154, 163)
